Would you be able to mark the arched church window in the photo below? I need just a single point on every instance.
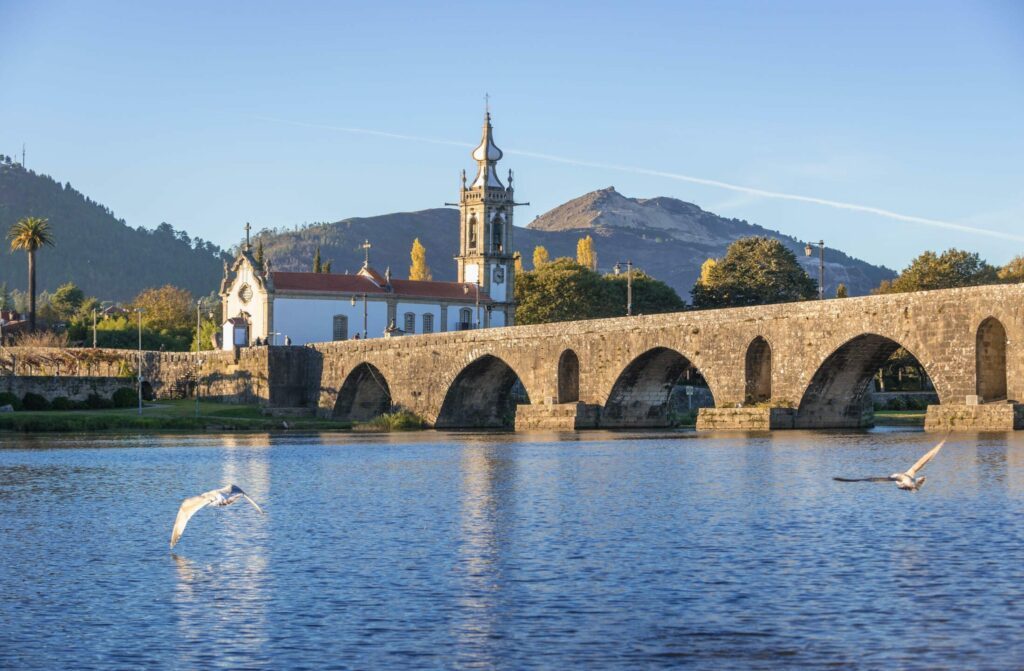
(428, 323)
(497, 231)
(465, 319)
(410, 322)
(340, 327)
(472, 231)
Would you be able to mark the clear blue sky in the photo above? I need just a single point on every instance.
(176, 112)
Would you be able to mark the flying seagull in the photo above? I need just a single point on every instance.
(224, 496)
(905, 480)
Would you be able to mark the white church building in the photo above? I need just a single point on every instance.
(305, 307)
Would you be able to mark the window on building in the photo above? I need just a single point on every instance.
(410, 322)
(428, 323)
(465, 319)
(340, 327)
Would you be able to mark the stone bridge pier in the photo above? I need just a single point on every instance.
(796, 365)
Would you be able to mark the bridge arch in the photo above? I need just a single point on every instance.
(640, 395)
(483, 395)
(364, 395)
(838, 395)
(568, 377)
(758, 371)
(990, 360)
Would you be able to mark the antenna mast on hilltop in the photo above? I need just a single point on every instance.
(22, 154)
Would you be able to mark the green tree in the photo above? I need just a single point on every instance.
(260, 255)
(540, 257)
(28, 235)
(953, 268)
(168, 309)
(841, 291)
(586, 256)
(650, 296)
(326, 268)
(67, 300)
(1011, 272)
(419, 270)
(317, 266)
(563, 290)
(6, 300)
(754, 271)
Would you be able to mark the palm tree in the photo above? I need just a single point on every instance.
(30, 234)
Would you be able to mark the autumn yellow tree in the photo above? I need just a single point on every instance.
(705, 271)
(419, 270)
(540, 257)
(167, 308)
(1013, 271)
(585, 254)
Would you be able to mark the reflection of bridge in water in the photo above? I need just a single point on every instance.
(796, 365)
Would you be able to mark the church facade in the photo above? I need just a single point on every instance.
(260, 304)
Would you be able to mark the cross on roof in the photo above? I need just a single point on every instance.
(366, 246)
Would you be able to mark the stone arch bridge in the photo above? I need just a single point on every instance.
(795, 365)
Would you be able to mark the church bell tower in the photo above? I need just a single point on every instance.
(485, 231)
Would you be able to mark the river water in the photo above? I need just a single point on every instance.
(503, 551)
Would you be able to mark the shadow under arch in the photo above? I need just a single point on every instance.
(758, 371)
(990, 360)
(364, 395)
(641, 393)
(568, 377)
(483, 395)
(839, 394)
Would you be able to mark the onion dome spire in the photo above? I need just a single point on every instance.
(487, 155)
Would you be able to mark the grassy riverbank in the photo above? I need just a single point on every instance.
(178, 415)
(899, 417)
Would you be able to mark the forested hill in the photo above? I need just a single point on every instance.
(95, 250)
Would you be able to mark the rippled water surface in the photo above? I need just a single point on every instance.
(500, 551)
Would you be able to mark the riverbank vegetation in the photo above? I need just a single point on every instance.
(176, 415)
(400, 420)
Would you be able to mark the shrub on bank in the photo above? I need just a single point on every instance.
(31, 401)
(400, 420)
(125, 397)
(61, 403)
(7, 398)
(97, 402)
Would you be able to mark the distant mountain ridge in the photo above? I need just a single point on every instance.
(666, 237)
(98, 252)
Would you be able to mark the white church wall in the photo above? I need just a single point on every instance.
(498, 291)
(307, 320)
(418, 309)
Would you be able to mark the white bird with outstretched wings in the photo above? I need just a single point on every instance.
(905, 480)
(224, 496)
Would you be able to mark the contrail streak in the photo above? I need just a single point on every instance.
(778, 195)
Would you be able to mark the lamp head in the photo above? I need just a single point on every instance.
(808, 250)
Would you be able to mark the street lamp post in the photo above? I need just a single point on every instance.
(139, 310)
(808, 250)
(365, 314)
(94, 328)
(629, 285)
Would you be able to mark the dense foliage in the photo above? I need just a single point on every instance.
(953, 268)
(564, 290)
(754, 271)
(419, 270)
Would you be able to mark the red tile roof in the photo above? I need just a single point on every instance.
(357, 284)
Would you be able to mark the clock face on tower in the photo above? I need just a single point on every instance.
(499, 274)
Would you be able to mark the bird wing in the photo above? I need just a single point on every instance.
(189, 507)
(235, 489)
(863, 479)
(926, 458)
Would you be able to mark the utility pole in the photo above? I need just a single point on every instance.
(94, 328)
(629, 284)
(139, 310)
